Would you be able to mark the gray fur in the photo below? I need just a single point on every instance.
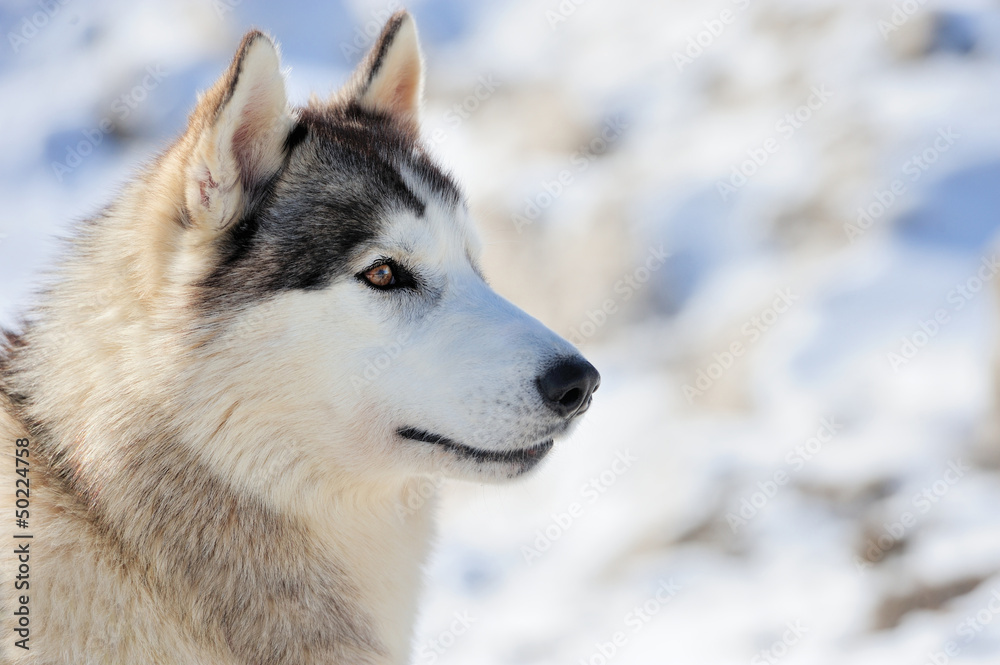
(341, 178)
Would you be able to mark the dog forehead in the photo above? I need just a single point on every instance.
(387, 196)
(441, 235)
(350, 179)
(356, 171)
(371, 146)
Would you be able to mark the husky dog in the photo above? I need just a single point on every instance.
(214, 464)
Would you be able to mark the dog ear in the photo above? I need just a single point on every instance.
(391, 78)
(238, 129)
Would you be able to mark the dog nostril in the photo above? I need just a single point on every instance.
(571, 398)
(566, 386)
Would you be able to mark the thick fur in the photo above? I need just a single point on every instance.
(219, 469)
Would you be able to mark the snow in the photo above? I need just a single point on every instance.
(647, 494)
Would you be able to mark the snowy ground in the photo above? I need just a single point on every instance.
(792, 457)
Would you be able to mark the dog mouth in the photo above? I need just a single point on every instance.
(525, 457)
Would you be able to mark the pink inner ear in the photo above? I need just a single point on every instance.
(402, 97)
(243, 147)
(205, 184)
(404, 94)
(248, 138)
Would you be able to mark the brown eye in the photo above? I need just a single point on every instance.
(387, 275)
(380, 276)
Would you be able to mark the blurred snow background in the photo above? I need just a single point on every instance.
(793, 455)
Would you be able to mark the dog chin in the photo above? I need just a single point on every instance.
(479, 463)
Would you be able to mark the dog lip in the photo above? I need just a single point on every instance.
(529, 456)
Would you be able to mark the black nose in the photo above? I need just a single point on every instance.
(567, 385)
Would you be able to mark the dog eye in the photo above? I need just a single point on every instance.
(386, 274)
(380, 276)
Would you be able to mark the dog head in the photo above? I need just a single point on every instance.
(337, 270)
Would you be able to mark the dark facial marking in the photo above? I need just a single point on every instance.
(526, 457)
(388, 36)
(341, 180)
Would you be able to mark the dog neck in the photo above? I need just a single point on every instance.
(222, 513)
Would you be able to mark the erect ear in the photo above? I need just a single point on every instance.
(391, 78)
(239, 131)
